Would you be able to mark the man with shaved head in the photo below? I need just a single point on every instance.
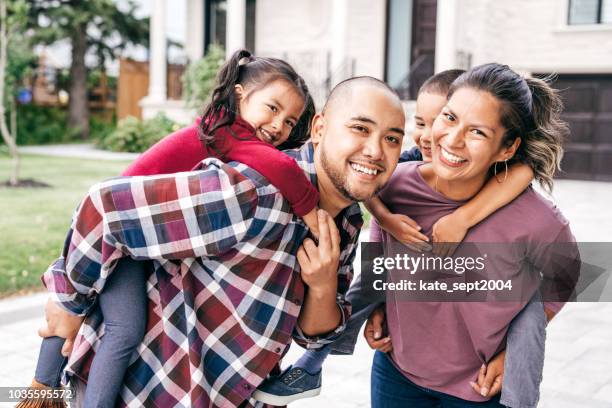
(223, 307)
(357, 140)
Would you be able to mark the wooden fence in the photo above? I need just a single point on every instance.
(133, 85)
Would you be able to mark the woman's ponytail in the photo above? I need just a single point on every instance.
(543, 146)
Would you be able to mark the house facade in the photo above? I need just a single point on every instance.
(406, 41)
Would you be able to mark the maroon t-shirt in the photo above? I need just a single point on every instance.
(441, 345)
(183, 150)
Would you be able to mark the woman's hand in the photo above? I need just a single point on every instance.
(406, 231)
(373, 331)
(60, 323)
(491, 376)
(447, 234)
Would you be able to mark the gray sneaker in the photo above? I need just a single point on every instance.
(292, 384)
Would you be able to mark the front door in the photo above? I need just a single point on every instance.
(423, 47)
(588, 110)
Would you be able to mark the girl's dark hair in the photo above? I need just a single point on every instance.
(531, 111)
(441, 82)
(253, 73)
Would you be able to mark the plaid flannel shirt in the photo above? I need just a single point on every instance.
(225, 292)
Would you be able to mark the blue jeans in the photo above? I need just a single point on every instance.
(524, 346)
(391, 389)
(123, 303)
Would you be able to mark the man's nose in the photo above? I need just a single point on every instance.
(373, 148)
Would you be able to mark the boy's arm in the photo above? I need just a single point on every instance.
(402, 227)
(493, 196)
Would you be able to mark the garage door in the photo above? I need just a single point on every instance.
(588, 110)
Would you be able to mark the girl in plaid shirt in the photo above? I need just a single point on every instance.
(260, 105)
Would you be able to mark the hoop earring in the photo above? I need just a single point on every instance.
(505, 173)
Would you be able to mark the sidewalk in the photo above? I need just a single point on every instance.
(579, 346)
(81, 151)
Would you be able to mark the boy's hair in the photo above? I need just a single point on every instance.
(441, 82)
(253, 73)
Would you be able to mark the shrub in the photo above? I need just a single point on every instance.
(100, 126)
(199, 77)
(136, 136)
(42, 125)
(38, 125)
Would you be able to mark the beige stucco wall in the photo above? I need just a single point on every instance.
(302, 33)
(531, 36)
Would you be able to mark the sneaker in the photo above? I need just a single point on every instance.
(292, 384)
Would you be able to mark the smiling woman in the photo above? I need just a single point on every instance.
(493, 116)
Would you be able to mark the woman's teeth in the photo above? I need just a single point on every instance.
(363, 169)
(451, 157)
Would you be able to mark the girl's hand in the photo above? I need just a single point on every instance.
(491, 376)
(60, 323)
(447, 234)
(373, 331)
(406, 231)
(312, 222)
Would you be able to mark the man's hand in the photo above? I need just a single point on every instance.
(319, 264)
(447, 234)
(62, 324)
(490, 376)
(373, 331)
(406, 231)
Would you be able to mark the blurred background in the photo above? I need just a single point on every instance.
(87, 85)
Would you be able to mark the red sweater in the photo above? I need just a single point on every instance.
(183, 150)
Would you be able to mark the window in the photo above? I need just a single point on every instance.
(215, 16)
(214, 28)
(590, 12)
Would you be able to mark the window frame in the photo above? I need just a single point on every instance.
(598, 19)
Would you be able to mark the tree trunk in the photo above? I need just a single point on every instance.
(78, 108)
(6, 135)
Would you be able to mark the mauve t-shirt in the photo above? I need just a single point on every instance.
(441, 345)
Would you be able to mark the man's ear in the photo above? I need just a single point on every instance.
(508, 152)
(317, 128)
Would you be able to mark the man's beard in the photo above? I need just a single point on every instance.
(338, 179)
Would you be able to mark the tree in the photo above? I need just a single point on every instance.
(13, 16)
(96, 27)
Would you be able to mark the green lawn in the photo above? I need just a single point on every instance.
(34, 222)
